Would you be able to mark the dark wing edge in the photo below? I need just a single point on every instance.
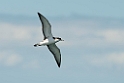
(45, 23)
(56, 53)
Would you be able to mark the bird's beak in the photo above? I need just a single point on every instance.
(62, 40)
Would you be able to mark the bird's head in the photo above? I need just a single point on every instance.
(58, 39)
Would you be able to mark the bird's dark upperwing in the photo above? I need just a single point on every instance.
(56, 52)
(46, 27)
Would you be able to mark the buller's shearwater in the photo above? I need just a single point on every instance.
(49, 40)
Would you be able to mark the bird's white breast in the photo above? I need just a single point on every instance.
(48, 41)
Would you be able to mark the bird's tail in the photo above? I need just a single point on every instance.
(35, 45)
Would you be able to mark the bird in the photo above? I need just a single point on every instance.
(49, 40)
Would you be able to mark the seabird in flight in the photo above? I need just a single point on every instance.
(49, 40)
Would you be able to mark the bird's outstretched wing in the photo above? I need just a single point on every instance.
(46, 27)
(56, 53)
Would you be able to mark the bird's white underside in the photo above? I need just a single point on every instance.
(48, 41)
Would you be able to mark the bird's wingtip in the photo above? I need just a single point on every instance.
(38, 13)
(58, 65)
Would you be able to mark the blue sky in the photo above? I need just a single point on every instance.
(110, 8)
(91, 53)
